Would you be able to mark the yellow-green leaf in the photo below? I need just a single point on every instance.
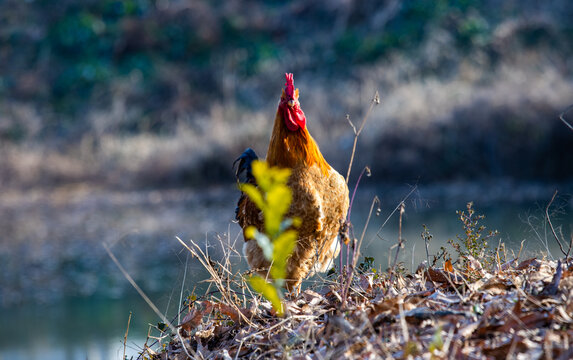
(266, 289)
(254, 194)
(278, 201)
(281, 175)
(250, 232)
(296, 222)
(283, 247)
(261, 172)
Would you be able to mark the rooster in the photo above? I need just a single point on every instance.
(319, 194)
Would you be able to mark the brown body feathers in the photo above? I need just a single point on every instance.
(320, 200)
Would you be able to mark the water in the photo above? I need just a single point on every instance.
(74, 329)
(63, 298)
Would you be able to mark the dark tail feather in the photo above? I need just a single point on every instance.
(244, 173)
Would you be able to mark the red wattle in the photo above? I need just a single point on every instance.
(293, 116)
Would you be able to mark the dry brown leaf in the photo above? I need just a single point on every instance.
(232, 312)
(312, 297)
(507, 265)
(563, 316)
(195, 316)
(448, 266)
(528, 321)
(517, 308)
(205, 334)
(501, 349)
(527, 263)
(365, 282)
(496, 286)
(387, 305)
(435, 275)
(441, 276)
(474, 265)
(448, 299)
(467, 330)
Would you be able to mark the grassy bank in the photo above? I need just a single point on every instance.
(151, 93)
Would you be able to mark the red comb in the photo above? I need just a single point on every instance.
(290, 107)
(289, 85)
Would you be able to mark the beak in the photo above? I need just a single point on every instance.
(291, 103)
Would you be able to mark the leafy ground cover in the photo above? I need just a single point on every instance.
(478, 302)
(518, 309)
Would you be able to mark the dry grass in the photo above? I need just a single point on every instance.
(475, 103)
(516, 309)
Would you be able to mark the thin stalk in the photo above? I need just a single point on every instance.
(396, 209)
(182, 286)
(138, 289)
(400, 241)
(367, 170)
(125, 336)
(355, 253)
(375, 101)
(552, 228)
(562, 117)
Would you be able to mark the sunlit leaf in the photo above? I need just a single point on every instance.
(273, 197)
(270, 293)
(278, 200)
(296, 222)
(250, 232)
(254, 194)
(283, 246)
(260, 171)
(281, 176)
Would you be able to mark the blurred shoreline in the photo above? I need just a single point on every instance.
(142, 94)
(51, 245)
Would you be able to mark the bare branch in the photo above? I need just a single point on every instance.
(551, 225)
(400, 244)
(562, 116)
(375, 101)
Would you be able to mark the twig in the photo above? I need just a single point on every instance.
(182, 286)
(356, 253)
(400, 241)
(562, 116)
(375, 101)
(396, 209)
(427, 237)
(348, 223)
(403, 324)
(125, 336)
(147, 300)
(204, 260)
(138, 289)
(551, 226)
(367, 171)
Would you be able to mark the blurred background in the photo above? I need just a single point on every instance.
(119, 122)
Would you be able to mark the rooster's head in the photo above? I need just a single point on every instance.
(289, 107)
